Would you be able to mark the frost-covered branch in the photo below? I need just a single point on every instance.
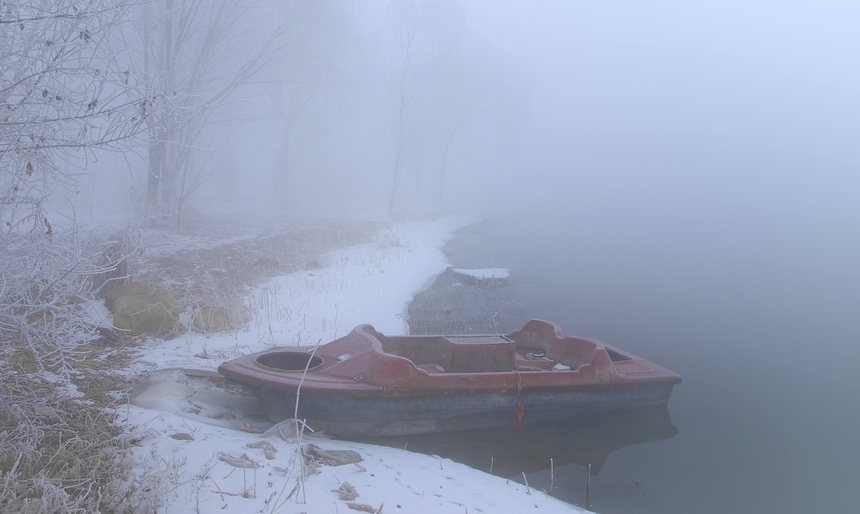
(45, 284)
(63, 91)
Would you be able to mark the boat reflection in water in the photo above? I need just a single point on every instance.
(511, 452)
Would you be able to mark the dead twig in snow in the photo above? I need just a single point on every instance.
(365, 507)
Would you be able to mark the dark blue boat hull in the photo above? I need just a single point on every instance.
(391, 414)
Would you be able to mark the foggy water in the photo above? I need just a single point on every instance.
(758, 314)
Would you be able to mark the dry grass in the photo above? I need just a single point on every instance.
(63, 453)
(221, 272)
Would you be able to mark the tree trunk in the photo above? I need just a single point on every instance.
(397, 164)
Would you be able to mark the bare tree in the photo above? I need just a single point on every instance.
(425, 29)
(309, 68)
(465, 87)
(195, 55)
(410, 18)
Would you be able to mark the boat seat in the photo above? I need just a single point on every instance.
(529, 368)
(524, 364)
(432, 368)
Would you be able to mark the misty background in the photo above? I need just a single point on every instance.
(679, 179)
(308, 107)
(741, 112)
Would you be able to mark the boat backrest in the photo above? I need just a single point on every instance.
(421, 350)
(481, 354)
(454, 354)
(571, 351)
(543, 335)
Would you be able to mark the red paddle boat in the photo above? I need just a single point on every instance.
(370, 384)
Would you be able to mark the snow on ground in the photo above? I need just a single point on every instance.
(189, 439)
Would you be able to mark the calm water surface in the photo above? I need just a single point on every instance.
(761, 318)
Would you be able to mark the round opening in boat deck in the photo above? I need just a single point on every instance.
(289, 361)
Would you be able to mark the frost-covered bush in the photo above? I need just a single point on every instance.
(63, 93)
(44, 287)
(60, 451)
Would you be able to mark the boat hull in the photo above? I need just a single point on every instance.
(389, 415)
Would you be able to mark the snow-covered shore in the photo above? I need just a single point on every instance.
(189, 439)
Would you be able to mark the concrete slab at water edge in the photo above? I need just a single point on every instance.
(462, 301)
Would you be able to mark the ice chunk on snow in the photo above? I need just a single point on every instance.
(484, 273)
